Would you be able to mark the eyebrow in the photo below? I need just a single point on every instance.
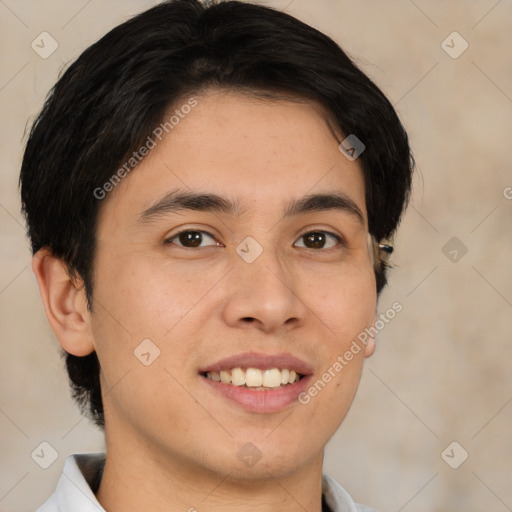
(177, 201)
(325, 202)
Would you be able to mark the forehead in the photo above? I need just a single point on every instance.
(257, 152)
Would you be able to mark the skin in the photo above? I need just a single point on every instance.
(172, 443)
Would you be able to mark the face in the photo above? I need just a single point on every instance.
(256, 273)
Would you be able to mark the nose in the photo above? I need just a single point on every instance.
(264, 294)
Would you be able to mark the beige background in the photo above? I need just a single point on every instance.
(442, 369)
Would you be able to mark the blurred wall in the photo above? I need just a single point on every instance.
(441, 373)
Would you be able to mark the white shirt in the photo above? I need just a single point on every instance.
(81, 476)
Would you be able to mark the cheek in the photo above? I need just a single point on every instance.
(344, 301)
(142, 296)
(137, 299)
(138, 314)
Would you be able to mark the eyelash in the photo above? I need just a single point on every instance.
(338, 238)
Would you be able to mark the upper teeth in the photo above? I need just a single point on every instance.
(254, 377)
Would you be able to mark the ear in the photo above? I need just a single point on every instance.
(64, 302)
(369, 348)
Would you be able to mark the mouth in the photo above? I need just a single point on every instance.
(256, 379)
(259, 383)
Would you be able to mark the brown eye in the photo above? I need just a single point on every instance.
(191, 239)
(319, 240)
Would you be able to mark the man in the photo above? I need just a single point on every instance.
(209, 190)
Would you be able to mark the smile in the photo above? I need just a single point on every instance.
(255, 378)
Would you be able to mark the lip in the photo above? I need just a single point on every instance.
(261, 361)
(263, 401)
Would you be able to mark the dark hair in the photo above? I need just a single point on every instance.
(110, 99)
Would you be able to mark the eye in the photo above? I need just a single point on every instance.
(318, 240)
(191, 238)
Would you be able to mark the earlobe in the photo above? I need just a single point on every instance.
(64, 302)
(369, 348)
